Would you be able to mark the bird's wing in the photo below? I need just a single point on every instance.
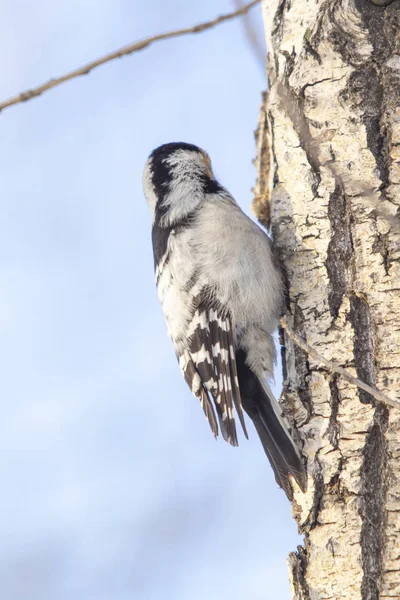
(209, 366)
(204, 347)
(194, 382)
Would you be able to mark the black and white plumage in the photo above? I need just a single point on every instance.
(221, 293)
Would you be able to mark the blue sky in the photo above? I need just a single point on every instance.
(112, 485)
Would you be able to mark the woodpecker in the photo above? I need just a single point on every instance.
(222, 294)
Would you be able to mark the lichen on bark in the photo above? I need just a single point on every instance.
(328, 159)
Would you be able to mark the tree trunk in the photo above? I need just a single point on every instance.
(329, 178)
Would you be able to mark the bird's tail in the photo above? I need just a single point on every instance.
(261, 406)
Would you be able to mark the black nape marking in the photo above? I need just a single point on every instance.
(160, 235)
(211, 186)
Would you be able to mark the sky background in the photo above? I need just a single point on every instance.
(113, 487)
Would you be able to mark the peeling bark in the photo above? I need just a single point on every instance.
(328, 161)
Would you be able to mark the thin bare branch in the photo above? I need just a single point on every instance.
(125, 51)
(335, 368)
(254, 40)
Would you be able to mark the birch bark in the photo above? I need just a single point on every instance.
(329, 181)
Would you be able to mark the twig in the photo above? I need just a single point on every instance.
(254, 41)
(337, 368)
(135, 47)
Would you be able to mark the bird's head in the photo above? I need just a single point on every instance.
(176, 178)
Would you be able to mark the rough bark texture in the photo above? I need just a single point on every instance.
(329, 181)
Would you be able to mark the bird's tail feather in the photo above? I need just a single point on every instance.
(280, 450)
(261, 406)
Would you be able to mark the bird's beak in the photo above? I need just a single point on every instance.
(207, 163)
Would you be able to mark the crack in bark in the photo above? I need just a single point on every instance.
(298, 564)
(340, 249)
(365, 84)
(333, 429)
(319, 489)
(371, 81)
(372, 505)
(308, 85)
(276, 175)
(309, 48)
(302, 366)
(290, 62)
(373, 470)
(277, 32)
(363, 350)
(381, 245)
